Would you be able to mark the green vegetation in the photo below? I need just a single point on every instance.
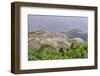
(46, 52)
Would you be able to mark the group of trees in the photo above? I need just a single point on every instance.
(46, 52)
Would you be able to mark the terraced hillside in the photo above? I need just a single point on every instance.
(55, 40)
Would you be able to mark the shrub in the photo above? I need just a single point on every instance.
(46, 52)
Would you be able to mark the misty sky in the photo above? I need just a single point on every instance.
(56, 23)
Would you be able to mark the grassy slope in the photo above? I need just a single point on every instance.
(48, 53)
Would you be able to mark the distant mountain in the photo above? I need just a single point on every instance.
(77, 33)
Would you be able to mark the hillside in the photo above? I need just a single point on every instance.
(55, 40)
(55, 45)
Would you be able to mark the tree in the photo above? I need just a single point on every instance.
(61, 50)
